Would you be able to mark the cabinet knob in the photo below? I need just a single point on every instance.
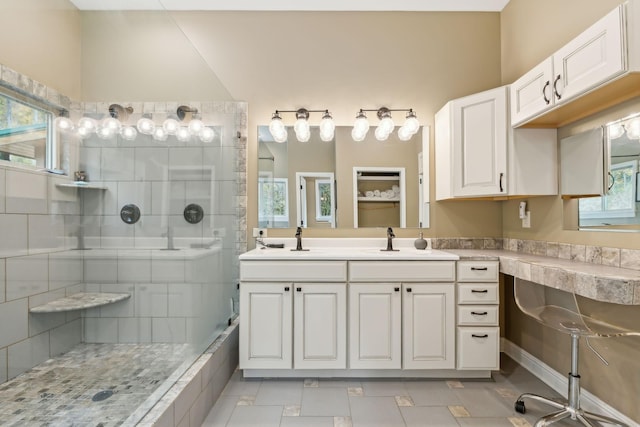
(408, 289)
(479, 291)
(298, 289)
(479, 268)
(286, 289)
(396, 289)
(480, 336)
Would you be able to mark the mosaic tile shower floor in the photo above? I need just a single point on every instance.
(60, 391)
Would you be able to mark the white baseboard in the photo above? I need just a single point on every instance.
(559, 382)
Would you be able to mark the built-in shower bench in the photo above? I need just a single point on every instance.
(79, 301)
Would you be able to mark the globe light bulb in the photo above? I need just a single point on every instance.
(63, 123)
(207, 134)
(195, 126)
(404, 134)
(357, 136)
(170, 126)
(183, 134)
(281, 136)
(146, 126)
(111, 123)
(159, 134)
(83, 132)
(381, 133)
(128, 133)
(616, 130)
(88, 125)
(411, 123)
(327, 128)
(361, 124)
(633, 129)
(387, 125)
(105, 132)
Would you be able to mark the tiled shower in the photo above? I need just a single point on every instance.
(59, 240)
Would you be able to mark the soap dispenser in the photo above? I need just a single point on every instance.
(420, 243)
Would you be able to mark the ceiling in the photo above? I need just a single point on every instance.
(297, 5)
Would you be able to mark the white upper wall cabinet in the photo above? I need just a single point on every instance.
(478, 154)
(548, 94)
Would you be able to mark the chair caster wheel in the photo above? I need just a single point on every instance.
(519, 407)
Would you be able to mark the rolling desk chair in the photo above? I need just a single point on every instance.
(561, 311)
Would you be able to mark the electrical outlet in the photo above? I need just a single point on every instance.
(259, 232)
(526, 221)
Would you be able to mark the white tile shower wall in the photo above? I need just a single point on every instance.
(2, 280)
(46, 233)
(26, 192)
(26, 276)
(14, 235)
(14, 313)
(28, 353)
(3, 180)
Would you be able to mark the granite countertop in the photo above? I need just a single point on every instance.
(598, 282)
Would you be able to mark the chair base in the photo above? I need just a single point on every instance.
(565, 411)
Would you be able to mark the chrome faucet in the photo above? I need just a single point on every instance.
(299, 240)
(169, 236)
(390, 237)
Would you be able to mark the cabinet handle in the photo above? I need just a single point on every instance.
(479, 313)
(500, 182)
(298, 289)
(480, 336)
(544, 92)
(396, 289)
(408, 289)
(479, 291)
(286, 289)
(613, 181)
(555, 87)
(479, 268)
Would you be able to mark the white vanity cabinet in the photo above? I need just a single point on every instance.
(290, 317)
(478, 333)
(594, 57)
(402, 315)
(479, 155)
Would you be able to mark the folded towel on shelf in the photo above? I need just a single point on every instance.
(376, 193)
(369, 194)
(389, 194)
(395, 189)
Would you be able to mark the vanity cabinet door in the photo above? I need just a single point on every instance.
(428, 316)
(320, 326)
(374, 326)
(265, 325)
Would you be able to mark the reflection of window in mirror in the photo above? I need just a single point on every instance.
(273, 209)
(618, 207)
(620, 201)
(323, 200)
(24, 133)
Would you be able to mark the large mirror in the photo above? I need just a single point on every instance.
(616, 207)
(342, 183)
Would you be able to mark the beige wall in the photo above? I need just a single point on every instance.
(42, 39)
(287, 60)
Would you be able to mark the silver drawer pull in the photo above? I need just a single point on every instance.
(479, 268)
(479, 291)
(480, 336)
(479, 313)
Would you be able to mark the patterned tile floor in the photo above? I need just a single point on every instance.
(60, 391)
(381, 403)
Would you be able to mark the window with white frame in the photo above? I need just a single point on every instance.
(323, 200)
(273, 206)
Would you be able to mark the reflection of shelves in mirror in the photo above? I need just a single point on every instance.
(85, 186)
(378, 199)
(379, 178)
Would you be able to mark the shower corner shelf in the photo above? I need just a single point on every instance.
(85, 186)
(79, 301)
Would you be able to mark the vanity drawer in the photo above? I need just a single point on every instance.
(478, 348)
(478, 293)
(295, 271)
(402, 271)
(478, 271)
(474, 315)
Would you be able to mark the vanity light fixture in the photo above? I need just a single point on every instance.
(629, 126)
(386, 125)
(301, 127)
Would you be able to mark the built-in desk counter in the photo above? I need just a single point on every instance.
(598, 282)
